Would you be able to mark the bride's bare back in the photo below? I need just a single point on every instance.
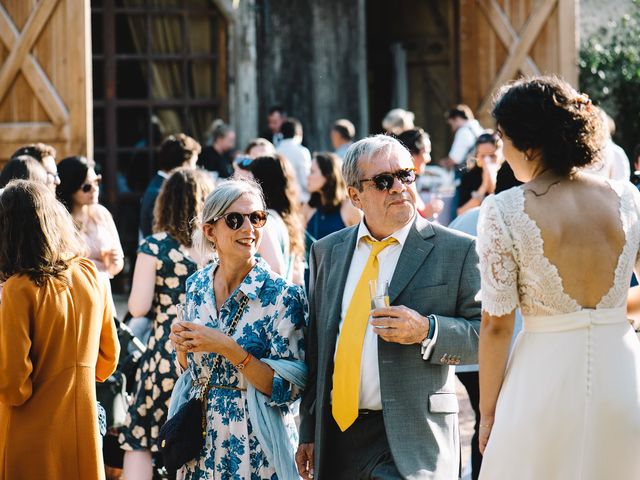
(580, 224)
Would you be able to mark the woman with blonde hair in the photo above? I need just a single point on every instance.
(165, 260)
(57, 337)
(243, 344)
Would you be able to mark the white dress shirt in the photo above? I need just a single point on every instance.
(464, 141)
(300, 159)
(370, 398)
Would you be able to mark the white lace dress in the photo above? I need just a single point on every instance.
(569, 407)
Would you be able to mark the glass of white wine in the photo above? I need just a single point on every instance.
(379, 292)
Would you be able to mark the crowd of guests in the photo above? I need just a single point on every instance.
(255, 271)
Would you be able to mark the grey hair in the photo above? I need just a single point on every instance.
(364, 150)
(217, 204)
(398, 120)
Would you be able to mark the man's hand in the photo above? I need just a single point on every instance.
(400, 325)
(304, 460)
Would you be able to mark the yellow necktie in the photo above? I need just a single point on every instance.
(346, 371)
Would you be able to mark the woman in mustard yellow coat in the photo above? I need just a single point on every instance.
(57, 337)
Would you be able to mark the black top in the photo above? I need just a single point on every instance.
(213, 161)
(469, 182)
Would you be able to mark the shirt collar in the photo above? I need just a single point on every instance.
(400, 235)
(163, 174)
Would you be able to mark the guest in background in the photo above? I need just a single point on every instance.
(217, 156)
(275, 118)
(479, 180)
(57, 337)
(243, 367)
(342, 135)
(46, 155)
(298, 155)
(79, 191)
(259, 147)
(22, 167)
(329, 208)
(175, 151)
(466, 130)
(165, 261)
(397, 121)
(635, 178)
(417, 141)
(613, 162)
(283, 240)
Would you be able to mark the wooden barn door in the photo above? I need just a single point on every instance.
(44, 75)
(501, 40)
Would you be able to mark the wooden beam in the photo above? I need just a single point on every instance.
(520, 49)
(25, 132)
(505, 32)
(468, 54)
(42, 87)
(36, 22)
(568, 40)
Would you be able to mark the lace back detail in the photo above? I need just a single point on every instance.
(513, 266)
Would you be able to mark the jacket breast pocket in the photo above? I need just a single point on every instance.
(443, 403)
(426, 296)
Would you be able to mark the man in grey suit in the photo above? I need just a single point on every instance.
(401, 422)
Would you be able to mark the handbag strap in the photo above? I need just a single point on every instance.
(204, 387)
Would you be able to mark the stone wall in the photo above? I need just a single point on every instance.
(311, 60)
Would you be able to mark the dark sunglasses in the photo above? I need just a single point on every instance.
(384, 181)
(244, 162)
(86, 188)
(234, 220)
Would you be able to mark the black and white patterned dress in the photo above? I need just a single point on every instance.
(157, 374)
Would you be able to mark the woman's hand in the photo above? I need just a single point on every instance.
(486, 424)
(192, 337)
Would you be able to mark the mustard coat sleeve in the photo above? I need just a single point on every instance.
(16, 315)
(109, 344)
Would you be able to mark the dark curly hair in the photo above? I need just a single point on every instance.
(180, 201)
(546, 113)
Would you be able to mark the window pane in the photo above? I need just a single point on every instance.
(199, 120)
(132, 127)
(96, 33)
(98, 79)
(131, 79)
(131, 34)
(166, 80)
(98, 127)
(166, 34)
(202, 81)
(170, 120)
(203, 34)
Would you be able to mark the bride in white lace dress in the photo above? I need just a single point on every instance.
(562, 248)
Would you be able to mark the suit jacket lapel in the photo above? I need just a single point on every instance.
(341, 256)
(415, 251)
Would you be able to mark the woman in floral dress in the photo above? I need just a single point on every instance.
(270, 327)
(164, 263)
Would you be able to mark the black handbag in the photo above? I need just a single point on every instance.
(182, 437)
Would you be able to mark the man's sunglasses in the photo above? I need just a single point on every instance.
(384, 181)
(234, 220)
(86, 188)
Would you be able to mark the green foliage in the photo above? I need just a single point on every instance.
(610, 74)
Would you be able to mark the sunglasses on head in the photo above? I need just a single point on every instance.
(86, 188)
(234, 220)
(244, 162)
(384, 181)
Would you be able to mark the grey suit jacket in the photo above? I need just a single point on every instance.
(436, 274)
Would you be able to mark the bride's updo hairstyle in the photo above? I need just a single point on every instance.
(546, 113)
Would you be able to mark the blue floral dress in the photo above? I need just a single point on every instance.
(271, 326)
(156, 372)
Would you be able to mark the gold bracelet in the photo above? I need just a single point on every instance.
(485, 425)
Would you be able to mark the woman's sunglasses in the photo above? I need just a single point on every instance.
(384, 181)
(86, 188)
(234, 220)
